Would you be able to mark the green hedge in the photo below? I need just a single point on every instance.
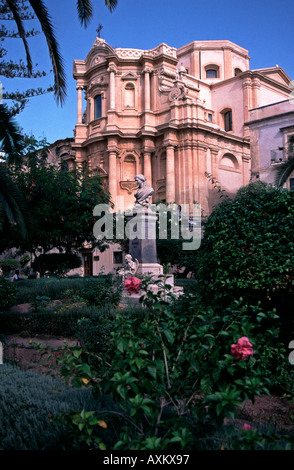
(9, 264)
(29, 405)
(7, 293)
(29, 289)
(47, 323)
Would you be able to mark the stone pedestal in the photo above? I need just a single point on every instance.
(143, 246)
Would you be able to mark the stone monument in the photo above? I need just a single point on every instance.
(142, 256)
(143, 247)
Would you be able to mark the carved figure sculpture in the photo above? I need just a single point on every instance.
(131, 266)
(144, 192)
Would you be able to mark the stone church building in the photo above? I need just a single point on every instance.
(174, 115)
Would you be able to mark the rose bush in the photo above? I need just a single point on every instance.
(172, 373)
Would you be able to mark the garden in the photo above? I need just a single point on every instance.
(207, 370)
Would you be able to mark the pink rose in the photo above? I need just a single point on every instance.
(132, 285)
(243, 349)
(247, 427)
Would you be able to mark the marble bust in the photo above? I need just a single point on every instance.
(144, 192)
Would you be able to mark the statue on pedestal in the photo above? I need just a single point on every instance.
(144, 192)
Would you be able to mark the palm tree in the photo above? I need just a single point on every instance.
(285, 169)
(12, 203)
(11, 140)
(283, 172)
(85, 13)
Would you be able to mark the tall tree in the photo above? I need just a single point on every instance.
(13, 209)
(61, 204)
(19, 11)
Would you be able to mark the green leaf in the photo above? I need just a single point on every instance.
(169, 336)
(152, 371)
(206, 385)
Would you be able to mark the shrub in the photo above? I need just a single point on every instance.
(44, 322)
(101, 291)
(8, 264)
(176, 377)
(248, 251)
(29, 289)
(7, 293)
(30, 405)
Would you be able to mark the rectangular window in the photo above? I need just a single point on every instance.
(98, 106)
(117, 257)
(291, 184)
(211, 73)
(228, 121)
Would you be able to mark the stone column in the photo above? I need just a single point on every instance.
(228, 70)
(255, 93)
(195, 64)
(80, 104)
(195, 178)
(247, 103)
(170, 174)
(147, 71)
(112, 72)
(147, 167)
(112, 175)
(204, 185)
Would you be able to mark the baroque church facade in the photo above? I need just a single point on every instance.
(174, 115)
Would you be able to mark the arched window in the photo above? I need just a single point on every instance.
(229, 161)
(237, 71)
(130, 95)
(212, 71)
(98, 106)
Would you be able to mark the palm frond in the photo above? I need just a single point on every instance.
(12, 203)
(111, 4)
(11, 140)
(283, 172)
(85, 11)
(44, 19)
(13, 5)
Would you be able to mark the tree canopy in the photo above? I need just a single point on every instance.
(60, 204)
(248, 249)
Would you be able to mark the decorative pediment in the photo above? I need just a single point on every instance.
(99, 52)
(129, 76)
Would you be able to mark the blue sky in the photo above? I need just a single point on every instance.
(264, 28)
